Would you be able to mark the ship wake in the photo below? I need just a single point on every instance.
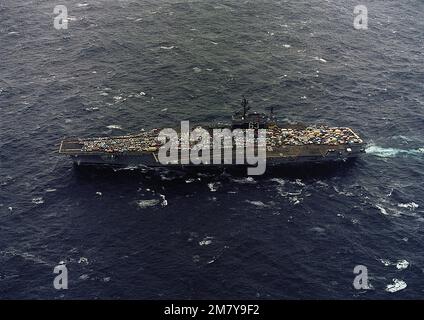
(383, 152)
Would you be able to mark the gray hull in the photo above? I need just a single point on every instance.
(150, 160)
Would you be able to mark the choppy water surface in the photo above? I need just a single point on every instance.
(126, 65)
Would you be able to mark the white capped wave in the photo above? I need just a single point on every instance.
(70, 18)
(299, 182)
(410, 206)
(257, 203)
(382, 210)
(164, 202)
(91, 109)
(295, 200)
(385, 262)
(396, 286)
(206, 241)
(213, 186)
(392, 152)
(83, 260)
(400, 264)
(147, 203)
(281, 182)
(38, 200)
(320, 59)
(114, 126)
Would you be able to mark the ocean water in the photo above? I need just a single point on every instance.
(126, 65)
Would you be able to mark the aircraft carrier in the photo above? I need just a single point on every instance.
(285, 144)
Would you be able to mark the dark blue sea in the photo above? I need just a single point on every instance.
(122, 66)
